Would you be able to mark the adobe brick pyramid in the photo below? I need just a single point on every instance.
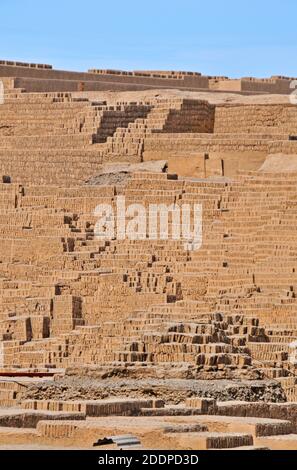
(147, 310)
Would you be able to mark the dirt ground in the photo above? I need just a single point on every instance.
(174, 391)
(211, 96)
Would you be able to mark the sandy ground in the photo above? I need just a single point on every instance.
(212, 96)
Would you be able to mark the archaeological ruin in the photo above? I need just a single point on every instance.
(174, 347)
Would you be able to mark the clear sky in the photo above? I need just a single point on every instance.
(217, 37)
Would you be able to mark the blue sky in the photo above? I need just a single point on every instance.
(227, 37)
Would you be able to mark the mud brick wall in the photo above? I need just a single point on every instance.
(53, 138)
(115, 81)
(76, 300)
(274, 119)
(25, 64)
(273, 85)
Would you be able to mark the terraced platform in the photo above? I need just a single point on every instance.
(102, 336)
